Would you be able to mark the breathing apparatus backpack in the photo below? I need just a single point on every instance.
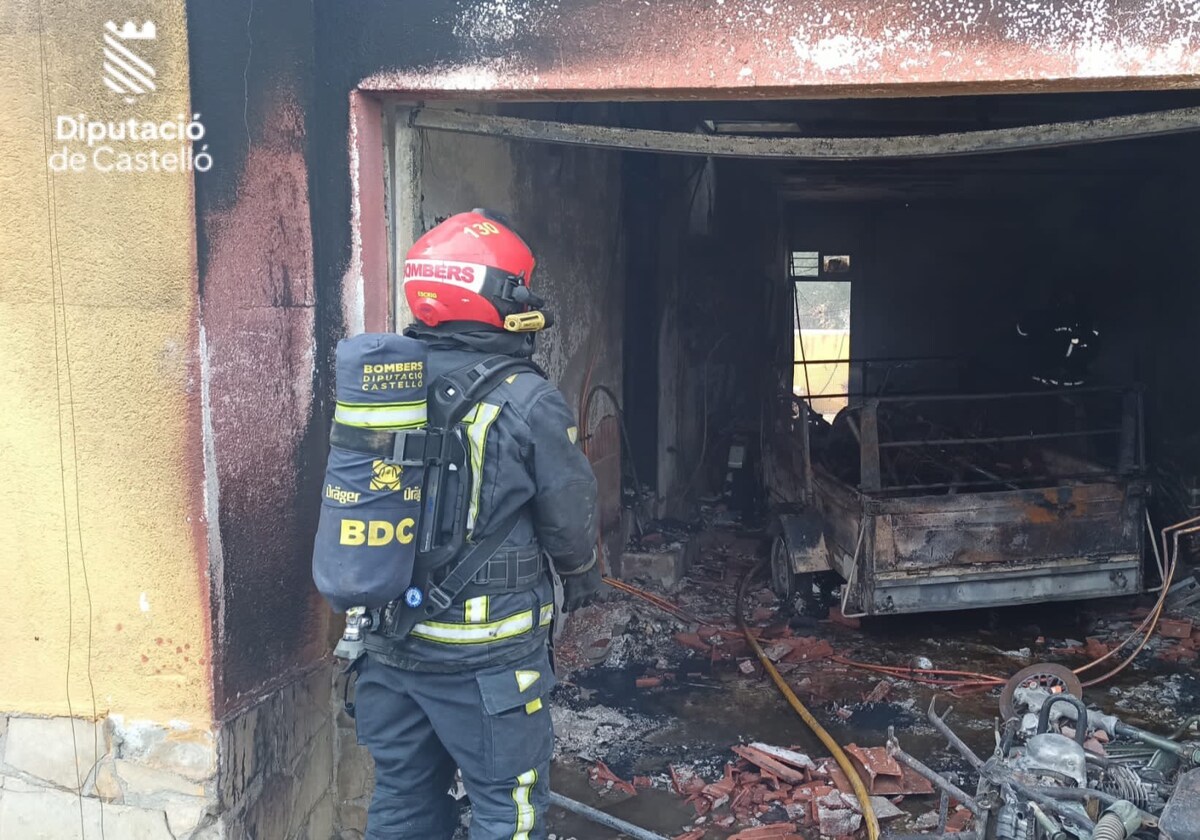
(395, 501)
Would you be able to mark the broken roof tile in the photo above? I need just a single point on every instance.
(600, 774)
(769, 764)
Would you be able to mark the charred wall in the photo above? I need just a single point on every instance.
(567, 204)
(713, 256)
(252, 82)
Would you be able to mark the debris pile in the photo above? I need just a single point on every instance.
(781, 646)
(1058, 771)
(777, 791)
(664, 708)
(661, 535)
(1175, 640)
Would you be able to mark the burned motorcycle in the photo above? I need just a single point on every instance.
(1049, 779)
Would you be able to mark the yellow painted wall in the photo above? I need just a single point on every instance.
(100, 495)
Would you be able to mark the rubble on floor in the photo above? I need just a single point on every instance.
(658, 707)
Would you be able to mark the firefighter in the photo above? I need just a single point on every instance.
(468, 688)
(1060, 342)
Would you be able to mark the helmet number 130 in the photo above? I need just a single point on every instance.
(480, 229)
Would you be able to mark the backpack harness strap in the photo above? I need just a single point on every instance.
(407, 447)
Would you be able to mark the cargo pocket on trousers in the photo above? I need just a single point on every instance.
(518, 733)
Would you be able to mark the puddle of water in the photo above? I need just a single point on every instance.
(654, 810)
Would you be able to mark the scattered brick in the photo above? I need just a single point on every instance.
(789, 757)
(958, 820)
(805, 649)
(685, 782)
(778, 650)
(601, 775)
(1171, 628)
(776, 767)
(908, 782)
(839, 822)
(1177, 654)
(879, 693)
(693, 641)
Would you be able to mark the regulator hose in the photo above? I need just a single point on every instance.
(860, 790)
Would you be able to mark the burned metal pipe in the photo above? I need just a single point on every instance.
(1084, 794)
(959, 744)
(939, 781)
(1066, 811)
(1053, 830)
(1185, 751)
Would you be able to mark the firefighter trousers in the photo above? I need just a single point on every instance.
(492, 724)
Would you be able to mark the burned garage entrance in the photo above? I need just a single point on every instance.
(915, 355)
(910, 297)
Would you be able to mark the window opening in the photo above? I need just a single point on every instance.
(821, 324)
(806, 264)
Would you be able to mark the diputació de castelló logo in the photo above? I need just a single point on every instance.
(126, 72)
(132, 144)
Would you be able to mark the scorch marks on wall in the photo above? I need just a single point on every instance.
(582, 45)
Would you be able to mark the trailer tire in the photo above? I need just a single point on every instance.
(783, 579)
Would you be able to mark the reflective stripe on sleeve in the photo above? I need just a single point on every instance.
(481, 422)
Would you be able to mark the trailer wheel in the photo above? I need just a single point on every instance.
(783, 580)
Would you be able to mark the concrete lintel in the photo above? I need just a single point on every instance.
(1105, 129)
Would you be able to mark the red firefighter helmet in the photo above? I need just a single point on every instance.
(471, 267)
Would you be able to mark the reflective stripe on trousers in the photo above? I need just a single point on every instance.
(525, 812)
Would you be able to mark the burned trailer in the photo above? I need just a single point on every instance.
(926, 502)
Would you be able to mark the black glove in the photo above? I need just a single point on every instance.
(581, 587)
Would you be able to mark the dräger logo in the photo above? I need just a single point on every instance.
(440, 270)
(344, 497)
